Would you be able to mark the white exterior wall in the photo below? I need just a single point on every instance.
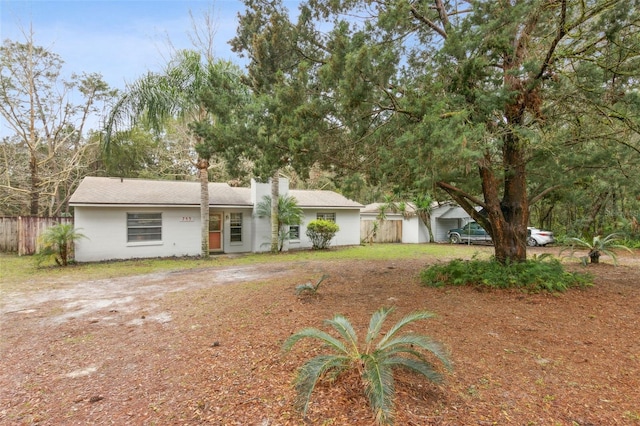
(261, 226)
(454, 217)
(442, 228)
(259, 190)
(347, 220)
(106, 232)
(246, 244)
(261, 234)
(414, 231)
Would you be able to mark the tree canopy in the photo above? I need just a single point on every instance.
(204, 94)
(50, 148)
(526, 109)
(469, 97)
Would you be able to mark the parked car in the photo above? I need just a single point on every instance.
(469, 233)
(538, 237)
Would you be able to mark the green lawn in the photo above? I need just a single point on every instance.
(21, 272)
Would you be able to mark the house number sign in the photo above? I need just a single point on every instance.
(186, 219)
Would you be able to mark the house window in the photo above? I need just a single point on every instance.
(144, 227)
(235, 227)
(331, 217)
(294, 232)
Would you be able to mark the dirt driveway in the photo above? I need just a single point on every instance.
(184, 348)
(126, 294)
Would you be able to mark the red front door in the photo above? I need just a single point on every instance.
(215, 231)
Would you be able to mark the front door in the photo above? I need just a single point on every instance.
(215, 231)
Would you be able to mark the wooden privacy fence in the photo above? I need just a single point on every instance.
(389, 231)
(20, 234)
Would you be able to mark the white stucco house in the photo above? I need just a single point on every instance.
(137, 218)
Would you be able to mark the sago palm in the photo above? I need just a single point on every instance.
(597, 247)
(375, 360)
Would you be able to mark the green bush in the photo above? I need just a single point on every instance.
(632, 243)
(540, 274)
(374, 361)
(320, 232)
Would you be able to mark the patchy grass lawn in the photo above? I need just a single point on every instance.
(189, 341)
(20, 273)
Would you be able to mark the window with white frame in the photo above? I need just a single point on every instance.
(144, 227)
(235, 227)
(294, 232)
(331, 217)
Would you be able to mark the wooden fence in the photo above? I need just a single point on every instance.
(21, 234)
(389, 231)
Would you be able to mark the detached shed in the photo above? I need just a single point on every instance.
(396, 227)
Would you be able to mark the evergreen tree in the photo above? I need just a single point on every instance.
(462, 96)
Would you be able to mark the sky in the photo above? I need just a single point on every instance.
(120, 39)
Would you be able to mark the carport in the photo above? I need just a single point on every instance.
(447, 217)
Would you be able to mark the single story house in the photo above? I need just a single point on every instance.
(137, 218)
(396, 227)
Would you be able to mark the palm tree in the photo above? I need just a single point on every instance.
(56, 243)
(424, 207)
(375, 361)
(288, 213)
(177, 93)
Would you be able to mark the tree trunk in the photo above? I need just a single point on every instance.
(513, 214)
(275, 194)
(598, 204)
(504, 219)
(34, 205)
(426, 219)
(203, 169)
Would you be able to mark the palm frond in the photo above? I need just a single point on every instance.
(314, 333)
(412, 317)
(174, 93)
(610, 238)
(379, 388)
(309, 288)
(377, 319)
(409, 342)
(289, 213)
(612, 254)
(417, 366)
(574, 241)
(311, 372)
(345, 329)
(263, 207)
(376, 367)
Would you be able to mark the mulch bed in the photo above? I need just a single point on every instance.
(188, 348)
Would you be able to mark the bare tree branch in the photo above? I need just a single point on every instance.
(538, 197)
